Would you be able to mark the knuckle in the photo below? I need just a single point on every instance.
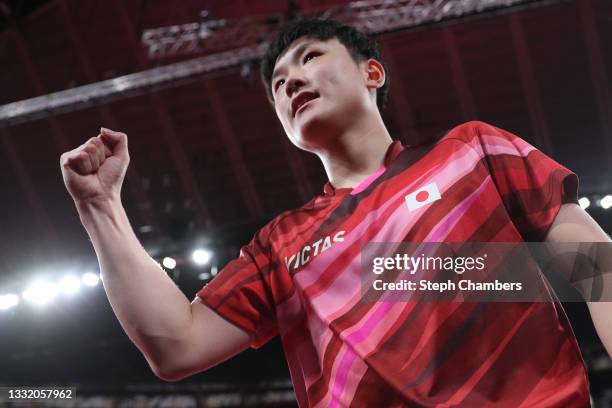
(91, 149)
(67, 156)
(83, 156)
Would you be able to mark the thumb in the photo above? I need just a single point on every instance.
(115, 141)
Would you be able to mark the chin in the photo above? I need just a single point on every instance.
(315, 129)
(312, 137)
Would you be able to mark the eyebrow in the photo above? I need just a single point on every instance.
(298, 51)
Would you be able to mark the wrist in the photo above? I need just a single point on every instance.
(95, 207)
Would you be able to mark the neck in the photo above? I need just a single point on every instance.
(356, 152)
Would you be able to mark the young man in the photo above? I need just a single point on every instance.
(300, 275)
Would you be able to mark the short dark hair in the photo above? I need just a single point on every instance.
(360, 46)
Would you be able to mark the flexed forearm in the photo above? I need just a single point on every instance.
(151, 309)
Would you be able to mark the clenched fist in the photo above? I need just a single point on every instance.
(95, 170)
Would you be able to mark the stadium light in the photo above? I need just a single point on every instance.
(40, 292)
(9, 300)
(201, 256)
(169, 263)
(584, 203)
(606, 202)
(90, 279)
(69, 285)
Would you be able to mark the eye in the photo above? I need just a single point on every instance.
(310, 56)
(278, 84)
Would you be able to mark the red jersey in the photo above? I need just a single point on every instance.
(300, 277)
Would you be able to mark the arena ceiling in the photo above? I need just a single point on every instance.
(210, 161)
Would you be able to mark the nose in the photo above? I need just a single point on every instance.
(295, 81)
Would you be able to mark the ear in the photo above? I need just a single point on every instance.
(374, 74)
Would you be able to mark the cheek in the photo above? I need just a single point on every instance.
(342, 78)
(332, 76)
(284, 122)
(280, 108)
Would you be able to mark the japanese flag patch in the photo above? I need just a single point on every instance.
(423, 196)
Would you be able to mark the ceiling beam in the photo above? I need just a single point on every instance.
(17, 164)
(39, 88)
(295, 161)
(529, 84)
(248, 191)
(247, 187)
(133, 180)
(372, 16)
(168, 131)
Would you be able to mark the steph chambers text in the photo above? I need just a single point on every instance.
(429, 286)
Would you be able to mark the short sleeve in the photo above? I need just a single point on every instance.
(533, 186)
(240, 292)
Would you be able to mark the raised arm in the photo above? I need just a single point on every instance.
(177, 338)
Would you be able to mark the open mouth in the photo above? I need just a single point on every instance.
(302, 100)
(301, 106)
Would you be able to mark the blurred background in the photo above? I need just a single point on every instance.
(211, 164)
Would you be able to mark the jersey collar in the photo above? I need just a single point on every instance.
(392, 152)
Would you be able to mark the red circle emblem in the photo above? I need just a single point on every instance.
(422, 196)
